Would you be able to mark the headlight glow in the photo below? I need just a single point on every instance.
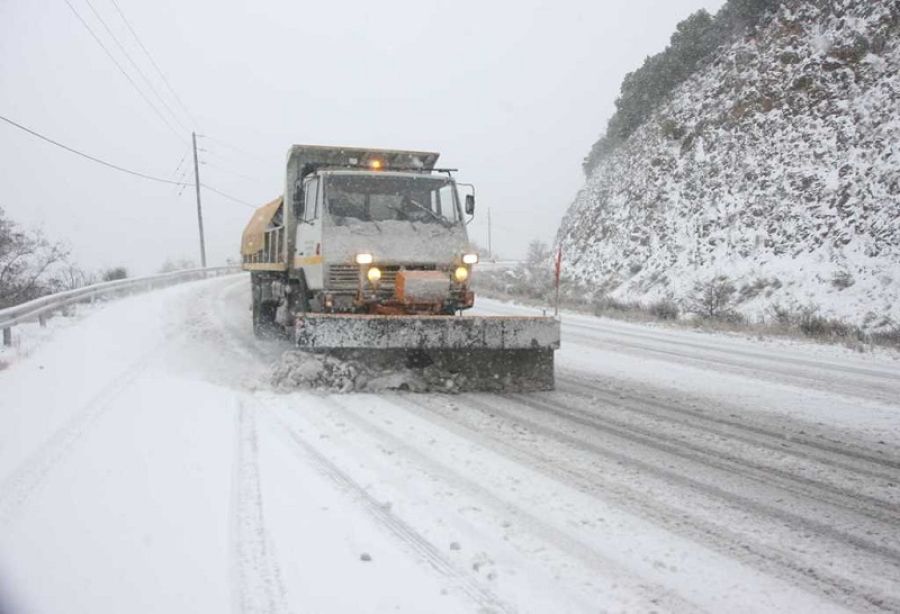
(364, 259)
(461, 274)
(470, 258)
(374, 275)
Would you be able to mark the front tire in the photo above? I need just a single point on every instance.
(264, 325)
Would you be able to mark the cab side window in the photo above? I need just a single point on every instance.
(311, 201)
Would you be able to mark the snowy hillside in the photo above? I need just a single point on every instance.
(777, 164)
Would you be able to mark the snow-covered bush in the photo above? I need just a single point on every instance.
(712, 298)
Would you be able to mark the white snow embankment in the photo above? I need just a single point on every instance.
(113, 496)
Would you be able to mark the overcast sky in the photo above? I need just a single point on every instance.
(513, 94)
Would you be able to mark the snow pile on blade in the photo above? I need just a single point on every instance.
(367, 371)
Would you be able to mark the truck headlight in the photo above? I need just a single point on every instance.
(461, 274)
(364, 259)
(470, 258)
(374, 274)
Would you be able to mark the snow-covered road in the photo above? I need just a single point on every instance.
(146, 465)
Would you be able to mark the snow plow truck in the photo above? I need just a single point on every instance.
(366, 254)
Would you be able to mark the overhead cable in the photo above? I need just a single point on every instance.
(135, 66)
(228, 196)
(155, 65)
(121, 168)
(122, 70)
(232, 147)
(88, 156)
(228, 170)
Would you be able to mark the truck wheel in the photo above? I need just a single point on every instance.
(263, 312)
(302, 305)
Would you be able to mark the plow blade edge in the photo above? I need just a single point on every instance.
(491, 353)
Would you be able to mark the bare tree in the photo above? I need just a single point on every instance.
(72, 277)
(27, 263)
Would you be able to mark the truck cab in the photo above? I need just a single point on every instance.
(359, 231)
(364, 231)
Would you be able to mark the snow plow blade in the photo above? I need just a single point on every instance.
(487, 353)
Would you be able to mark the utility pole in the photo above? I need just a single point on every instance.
(199, 210)
(490, 249)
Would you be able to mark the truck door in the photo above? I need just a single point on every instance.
(309, 235)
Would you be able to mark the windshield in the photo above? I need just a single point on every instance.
(375, 198)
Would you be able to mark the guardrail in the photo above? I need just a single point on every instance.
(41, 308)
(497, 265)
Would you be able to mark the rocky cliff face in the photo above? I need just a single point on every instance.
(777, 165)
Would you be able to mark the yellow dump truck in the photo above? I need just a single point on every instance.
(367, 251)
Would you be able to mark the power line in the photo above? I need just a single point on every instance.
(134, 64)
(228, 196)
(121, 168)
(181, 177)
(232, 147)
(180, 162)
(122, 70)
(152, 61)
(88, 156)
(229, 171)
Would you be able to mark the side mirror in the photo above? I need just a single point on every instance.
(470, 204)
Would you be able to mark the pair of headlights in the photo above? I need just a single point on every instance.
(460, 274)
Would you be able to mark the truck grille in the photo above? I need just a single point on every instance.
(342, 277)
(345, 277)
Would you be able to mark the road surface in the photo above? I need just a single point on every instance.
(147, 465)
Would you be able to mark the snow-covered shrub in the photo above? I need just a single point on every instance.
(606, 303)
(664, 309)
(712, 298)
(812, 324)
(115, 273)
(842, 280)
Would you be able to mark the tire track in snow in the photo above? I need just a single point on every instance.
(405, 533)
(258, 583)
(776, 361)
(408, 536)
(880, 390)
(592, 481)
(879, 467)
(16, 489)
(556, 536)
(662, 441)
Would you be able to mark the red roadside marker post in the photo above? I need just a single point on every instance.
(558, 268)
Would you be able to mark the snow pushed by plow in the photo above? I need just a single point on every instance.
(384, 370)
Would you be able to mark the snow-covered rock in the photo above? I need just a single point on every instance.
(777, 164)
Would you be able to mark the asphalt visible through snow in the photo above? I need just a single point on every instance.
(147, 464)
